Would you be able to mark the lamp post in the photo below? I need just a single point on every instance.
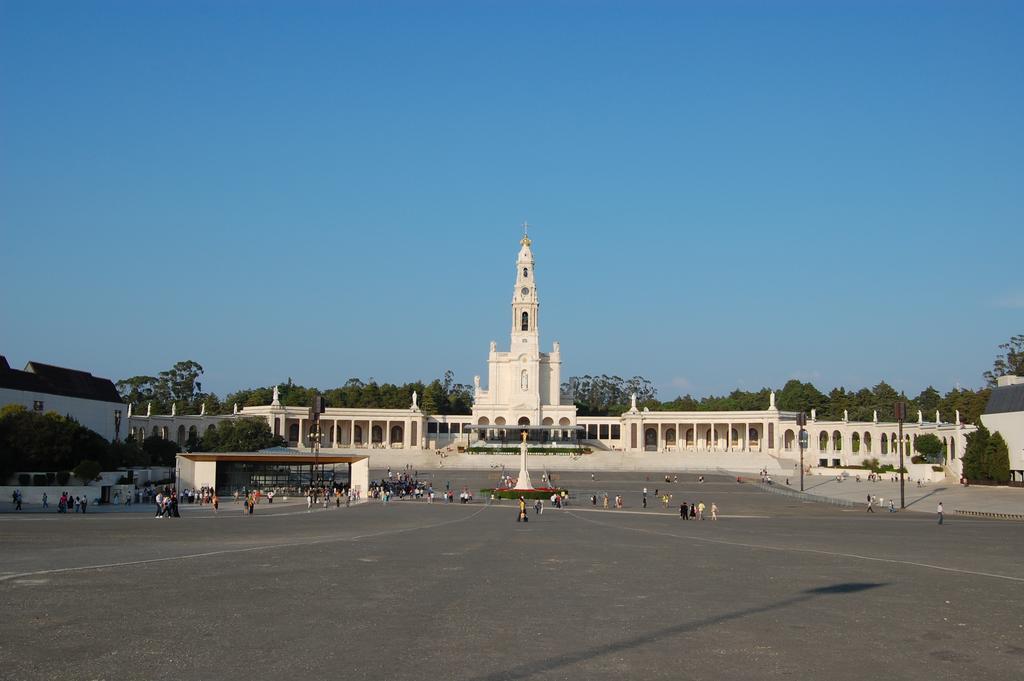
(901, 414)
(801, 420)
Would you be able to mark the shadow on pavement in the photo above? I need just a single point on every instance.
(531, 668)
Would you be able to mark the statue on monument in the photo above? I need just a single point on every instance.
(632, 402)
(276, 402)
(414, 406)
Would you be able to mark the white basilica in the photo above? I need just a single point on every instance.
(523, 394)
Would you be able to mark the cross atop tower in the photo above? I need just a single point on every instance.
(525, 241)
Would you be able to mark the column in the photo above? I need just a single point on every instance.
(657, 437)
(728, 436)
(407, 434)
(335, 438)
(302, 426)
(764, 434)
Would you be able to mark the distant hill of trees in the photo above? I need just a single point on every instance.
(593, 395)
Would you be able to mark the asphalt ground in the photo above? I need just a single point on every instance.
(776, 588)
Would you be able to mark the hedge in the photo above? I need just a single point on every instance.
(515, 494)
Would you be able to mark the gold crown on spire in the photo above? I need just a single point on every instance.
(525, 241)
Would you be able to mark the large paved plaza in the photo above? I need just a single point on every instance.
(774, 589)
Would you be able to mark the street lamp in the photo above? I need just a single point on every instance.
(801, 420)
(901, 414)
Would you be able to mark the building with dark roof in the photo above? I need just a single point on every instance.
(1004, 414)
(92, 401)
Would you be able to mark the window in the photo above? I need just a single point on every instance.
(526, 273)
(37, 405)
(432, 427)
(603, 432)
(443, 428)
(616, 431)
(526, 321)
(591, 431)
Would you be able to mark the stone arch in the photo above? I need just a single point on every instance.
(710, 438)
(787, 439)
(837, 441)
(483, 421)
(377, 434)
(650, 437)
(193, 433)
(855, 442)
(156, 431)
(548, 421)
(293, 432)
(523, 421)
(396, 433)
(952, 448)
(210, 428)
(689, 437)
(525, 321)
(884, 444)
(564, 421)
(670, 435)
(867, 442)
(753, 438)
(734, 437)
(823, 441)
(500, 421)
(181, 435)
(526, 273)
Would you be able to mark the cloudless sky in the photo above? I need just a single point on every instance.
(723, 194)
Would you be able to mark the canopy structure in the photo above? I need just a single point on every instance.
(271, 469)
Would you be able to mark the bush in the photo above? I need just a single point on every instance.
(930, 447)
(63, 477)
(24, 479)
(39, 479)
(87, 471)
(917, 458)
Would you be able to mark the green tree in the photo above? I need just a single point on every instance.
(975, 454)
(930, 447)
(798, 396)
(87, 471)
(997, 459)
(160, 451)
(1011, 362)
(433, 398)
(241, 435)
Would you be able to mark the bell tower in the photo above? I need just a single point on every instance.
(525, 333)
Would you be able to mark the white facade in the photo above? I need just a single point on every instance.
(523, 384)
(524, 389)
(1009, 424)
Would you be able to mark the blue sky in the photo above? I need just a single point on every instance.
(722, 194)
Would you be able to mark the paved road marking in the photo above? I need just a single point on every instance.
(248, 549)
(836, 554)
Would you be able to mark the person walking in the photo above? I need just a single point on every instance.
(215, 500)
(684, 511)
(714, 511)
(940, 512)
(309, 501)
(871, 504)
(46, 501)
(700, 511)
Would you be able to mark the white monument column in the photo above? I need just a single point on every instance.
(523, 482)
